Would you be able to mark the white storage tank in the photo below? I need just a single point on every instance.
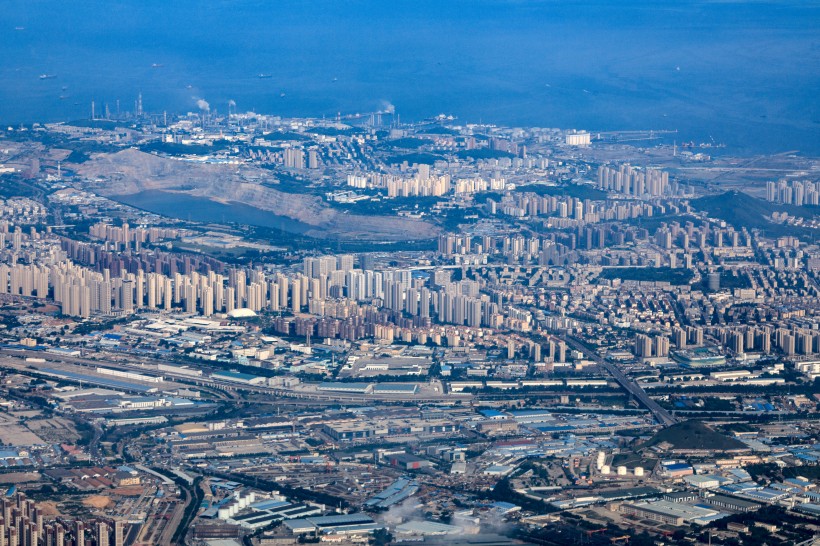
(621, 470)
(639, 471)
(606, 470)
(599, 463)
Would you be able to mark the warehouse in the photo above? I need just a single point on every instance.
(179, 370)
(395, 366)
(645, 511)
(427, 528)
(129, 375)
(95, 380)
(351, 388)
(701, 481)
(809, 508)
(236, 377)
(342, 524)
(677, 470)
(408, 461)
(395, 493)
(263, 513)
(671, 513)
(731, 503)
(347, 430)
(396, 388)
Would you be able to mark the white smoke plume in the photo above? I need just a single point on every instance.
(388, 108)
(202, 104)
(231, 102)
(409, 510)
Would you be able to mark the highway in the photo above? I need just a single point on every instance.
(661, 415)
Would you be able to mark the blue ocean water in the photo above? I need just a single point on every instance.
(743, 73)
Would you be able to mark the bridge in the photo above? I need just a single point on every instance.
(661, 415)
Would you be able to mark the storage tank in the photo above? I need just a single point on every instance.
(599, 463)
(606, 470)
(639, 471)
(621, 470)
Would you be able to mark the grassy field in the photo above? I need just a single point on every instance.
(672, 276)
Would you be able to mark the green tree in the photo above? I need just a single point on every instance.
(382, 537)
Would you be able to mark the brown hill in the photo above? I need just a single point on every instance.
(131, 171)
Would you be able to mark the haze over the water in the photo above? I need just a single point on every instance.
(747, 75)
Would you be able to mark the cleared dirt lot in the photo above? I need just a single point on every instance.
(54, 430)
(14, 434)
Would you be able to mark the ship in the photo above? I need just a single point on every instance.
(157, 65)
(47, 76)
(264, 76)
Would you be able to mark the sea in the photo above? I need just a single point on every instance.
(745, 74)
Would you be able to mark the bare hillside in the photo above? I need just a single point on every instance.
(131, 171)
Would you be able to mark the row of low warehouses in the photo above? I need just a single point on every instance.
(461, 386)
(97, 380)
(358, 426)
(369, 388)
(250, 510)
(365, 429)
